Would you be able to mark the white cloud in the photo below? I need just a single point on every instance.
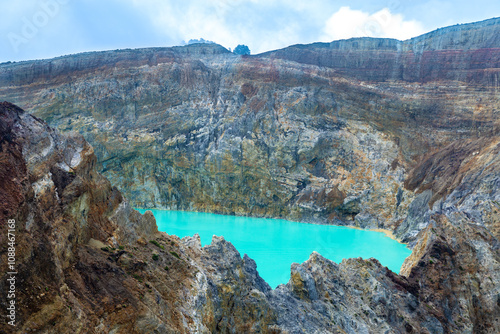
(347, 23)
(261, 24)
(189, 20)
(270, 24)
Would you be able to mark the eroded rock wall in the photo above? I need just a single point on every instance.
(374, 133)
(256, 136)
(87, 263)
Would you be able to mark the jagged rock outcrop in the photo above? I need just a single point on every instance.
(85, 265)
(463, 179)
(443, 289)
(59, 202)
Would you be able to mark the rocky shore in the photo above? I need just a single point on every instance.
(88, 263)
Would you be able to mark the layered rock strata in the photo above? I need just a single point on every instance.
(87, 263)
(402, 135)
(276, 135)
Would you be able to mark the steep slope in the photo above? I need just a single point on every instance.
(82, 258)
(59, 203)
(468, 53)
(84, 263)
(460, 180)
(197, 128)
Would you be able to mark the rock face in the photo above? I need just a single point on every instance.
(460, 180)
(59, 202)
(467, 53)
(325, 133)
(402, 135)
(85, 265)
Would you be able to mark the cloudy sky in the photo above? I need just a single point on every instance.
(34, 29)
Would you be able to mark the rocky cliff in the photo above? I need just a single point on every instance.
(291, 133)
(402, 135)
(282, 134)
(87, 263)
(467, 53)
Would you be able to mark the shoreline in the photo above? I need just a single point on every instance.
(387, 233)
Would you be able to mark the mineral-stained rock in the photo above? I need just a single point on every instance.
(366, 132)
(463, 178)
(276, 135)
(59, 202)
(144, 281)
(443, 290)
(460, 53)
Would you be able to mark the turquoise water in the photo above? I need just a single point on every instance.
(275, 244)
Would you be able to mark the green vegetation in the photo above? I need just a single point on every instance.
(175, 254)
(157, 244)
(241, 49)
(200, 41)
